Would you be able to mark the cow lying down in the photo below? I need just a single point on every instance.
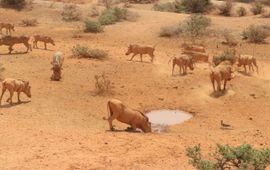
(136, 119)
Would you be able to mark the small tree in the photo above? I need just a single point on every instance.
(102, 84)
(71, 13)
(195, 26)
(255, 33)
(257, 8)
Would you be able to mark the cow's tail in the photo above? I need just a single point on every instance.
(108, 110)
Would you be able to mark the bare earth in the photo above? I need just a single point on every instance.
(62, 127)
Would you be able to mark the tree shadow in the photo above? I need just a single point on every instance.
(14, 104)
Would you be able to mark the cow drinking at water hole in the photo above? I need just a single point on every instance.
(136, 119)
(15, 85)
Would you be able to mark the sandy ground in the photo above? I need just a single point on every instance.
(61, 127)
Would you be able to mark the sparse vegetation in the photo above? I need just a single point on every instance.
(196, 6)
(85, 52)
(94, 12)
(92, 26)
(166, 7)
(15, 4)
(195, 26)
(230, 39)
(255, 33)
(257, 8)
(228, 157)
(111, 16)
(102, 84)
(241, 11)
(71, 13)
(227, 55)
(170, 31)
(226, 8)
(29, 22)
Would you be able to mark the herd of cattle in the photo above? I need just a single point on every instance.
(191, 54)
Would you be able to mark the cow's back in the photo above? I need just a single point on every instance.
(14, 84)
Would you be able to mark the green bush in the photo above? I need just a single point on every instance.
(227, 55)
(241, 11)
(255, 33)
(196, 6)
(165, 7)
(92, 26)
(71, 13)
(226, 8)
(85, 52)
(111, 16)
(257, 8)
(227, 157)
(15, 4)
(195, 26)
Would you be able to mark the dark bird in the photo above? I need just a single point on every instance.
(223, 125)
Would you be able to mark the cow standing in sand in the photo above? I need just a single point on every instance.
(136, 119)
(12, 40)
(44, 39)
(8, 27)
(222, 72)
(57, 64)
(15, 85)
(247, 60)
(183, 62)
(136, 49)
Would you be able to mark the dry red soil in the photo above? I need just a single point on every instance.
(61, 127)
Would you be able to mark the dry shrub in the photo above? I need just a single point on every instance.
(94, 12)
(225, 8)
(15, 4)
(256, 33)
(71, 12)
(92, 26)
(195, 6)
(257, 8)
(85, 52)
(230, 39)
(227, 55)
(29, 22)
(241, 11)
(1, 70)
(170, 31)
(165, 7)
(266, 14)
(102, 84)
(132, 16)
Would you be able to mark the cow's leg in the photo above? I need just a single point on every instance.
(45, 44)
(27, 46)
(141, 57)
(224, 86)
(219, 85)
(10, 49)
(173, 68)
(245, 67)
(132, 57)
(133, 127)
(185, 69)
(110, 120)
(180, 69)
(35, 44)
(213, 84)
(3, 91)
(152, 57)
(11, 95)
(19, 101)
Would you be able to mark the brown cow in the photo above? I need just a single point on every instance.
(223, 72)
(247, 60)
(183, 62)
(57, 64)
(44, 39)
(12, 40)
(136, 119)
(15, 85)
(136, 49)
(8, 27)
(202, 57)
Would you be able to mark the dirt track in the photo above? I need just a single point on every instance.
(62, 127)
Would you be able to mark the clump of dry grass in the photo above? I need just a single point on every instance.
(227, 55)
(94, 12)
(85, 52)
(226, 8)
(230, 39)
(29, 22)
(71, 12)
(102, 84)
(241, 11)
(257, 8)
(170, 31)
(256, 33)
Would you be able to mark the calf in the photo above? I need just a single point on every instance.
(247, 60)
(44, 39)
(223, 72)
(136, 119)
(8, 27)
(12, 40)
(15, 85)
(183, 62)
(57, 64)
(136, 49)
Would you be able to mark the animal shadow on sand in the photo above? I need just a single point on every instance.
(15, 53)
(14, 104)
(245, 73)
(128, 129)
(182, 74)
(43, 49)
(218, 94)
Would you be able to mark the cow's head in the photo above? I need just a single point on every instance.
(27, 89)
(50, 40)
(146, 126)
(130, 49)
